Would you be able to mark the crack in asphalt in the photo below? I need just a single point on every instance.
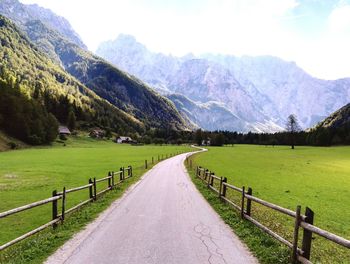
(205, 232)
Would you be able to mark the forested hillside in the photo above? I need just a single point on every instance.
(32, 87)
(120, 89)
(333, 130)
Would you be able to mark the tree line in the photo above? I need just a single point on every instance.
(24, 118)
(292, 136)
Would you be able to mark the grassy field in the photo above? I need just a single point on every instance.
(315, 177)
(32, 174)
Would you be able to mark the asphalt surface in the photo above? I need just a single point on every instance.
(162, 219)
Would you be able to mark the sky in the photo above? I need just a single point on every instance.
(313, 33)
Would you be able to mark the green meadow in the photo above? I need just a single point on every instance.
(308, 176)
(32, 174)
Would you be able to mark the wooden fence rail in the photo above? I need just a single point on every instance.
(56, 217)
(112, 182)
(302, 254)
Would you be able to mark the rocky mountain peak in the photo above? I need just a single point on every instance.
(262, 91)
(22, 14)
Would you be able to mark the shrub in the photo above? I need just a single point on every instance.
(12, 145)
(63, 137)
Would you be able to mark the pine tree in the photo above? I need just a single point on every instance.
(71, 120)
(292, 127)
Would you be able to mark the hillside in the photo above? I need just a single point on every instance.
(7, 142)
(21, 14)
(33, 86)
(120, 89)
(333, 130)
(261, 89)
(340, 118)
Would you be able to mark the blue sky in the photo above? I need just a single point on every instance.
(314, 34)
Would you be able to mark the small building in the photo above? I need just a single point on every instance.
(121, 140)
(97, 133)
(63, 130)
(206, 142)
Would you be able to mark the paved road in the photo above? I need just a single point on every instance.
(163, 219)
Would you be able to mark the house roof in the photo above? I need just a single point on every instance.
(125, 138)
(63, 130)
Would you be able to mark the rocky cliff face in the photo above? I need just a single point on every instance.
(286, 88)
(261, 91)
(21, 14)
(209, 115)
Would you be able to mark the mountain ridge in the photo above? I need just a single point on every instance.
(30, 80)
(21, 13)
(117, 87)
(270, 87)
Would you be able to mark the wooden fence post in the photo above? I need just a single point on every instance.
(307, 235)
(212, 179)
(121, 174)
(152, 160)
(242, 202)
(220, 188)
(63, 203)
(209, 179)
(90, 189)
(197, 169)
(249, 202)
(145, 164)
(123, 168)
(95, 190)
(112, 174)
(294, 257)
(109, 180)
(54, 209)
(130, 171)
(224, 187)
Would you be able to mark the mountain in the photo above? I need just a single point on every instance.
(35, 92)
(120, 89)
(287, 88)
(259, 90)
(197, 79)
(333, 130)
(338, 119)
(208, 115)
(21, 14)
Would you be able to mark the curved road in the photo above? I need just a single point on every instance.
(161, 219)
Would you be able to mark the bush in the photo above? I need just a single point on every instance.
(12, 145)
(63, 137)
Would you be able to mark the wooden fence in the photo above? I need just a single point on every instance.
(245, 207)
(113, 179)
